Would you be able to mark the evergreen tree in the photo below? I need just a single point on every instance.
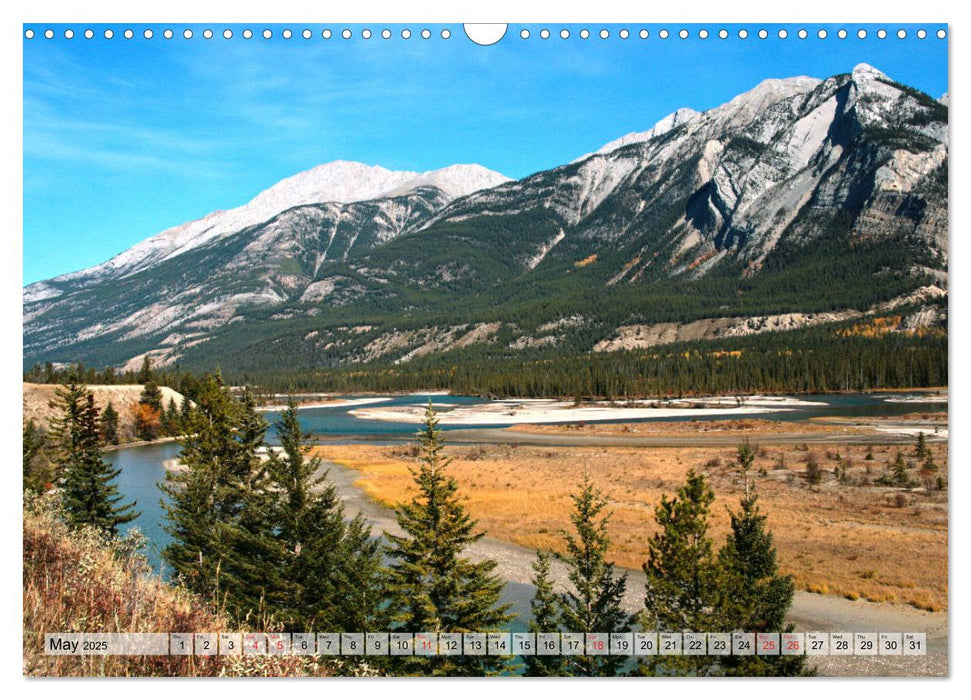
(109, 425)
(89, 496)
(145, 374)
(185, 413)
(920, 446)
(594, 603)
(220, 509)
(682, 591)
(545, 608)
(171, 420)
(434, 588)
(334, 573)
(744, 460)
(755, 597)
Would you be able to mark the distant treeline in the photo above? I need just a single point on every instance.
(807, 361)
(824, 359)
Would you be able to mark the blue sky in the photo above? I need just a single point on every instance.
(124, 138)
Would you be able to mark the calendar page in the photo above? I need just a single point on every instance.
(441, 349)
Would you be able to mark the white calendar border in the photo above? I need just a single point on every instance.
(492, 11)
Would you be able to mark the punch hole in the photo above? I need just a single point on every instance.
(604, 34)
(743, 33)
(366, 34)
(306, 34)
(624, 34)
(544, 34)
(841, 34)
(88, 34)
(247, 33)
(446, 33)
(267, 33)
(564, 33)
(327, 34)
(128, 34)
(168, 34)
(584, 33)
(941, 34)
(663, 34)
(822, 34)
(29, 34)
(109, 33)
(425, 34)
(489, 34)
(405, 33)
(703, 34)
(207, 34)
(68, 33)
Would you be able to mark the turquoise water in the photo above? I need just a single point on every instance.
(142, 469)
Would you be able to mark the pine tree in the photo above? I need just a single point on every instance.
(89, 496)
(755, 597)
(145, 374)
(545, 608)
(744, 460)
(185, 413)
(920, 446)
(682, 591)
(109, 425)
(171, 420)
(434, 588)
(220, 509)
(594, 603)
(333, 567)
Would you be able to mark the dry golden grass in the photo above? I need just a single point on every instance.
(858, 541)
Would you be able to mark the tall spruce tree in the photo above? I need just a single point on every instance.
(220, 509)
(333, 567)
(594, 602)
(109, 425)
(171, 420)
(545, 608)
(755, 597)
(682, 588)
(89, 495)
(433, 587)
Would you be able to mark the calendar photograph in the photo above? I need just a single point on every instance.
(533, 350)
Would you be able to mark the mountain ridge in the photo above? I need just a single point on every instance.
(759, 189)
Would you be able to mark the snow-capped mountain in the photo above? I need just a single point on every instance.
(833, 190)
(339, 182)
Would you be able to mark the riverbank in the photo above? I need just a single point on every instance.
(538, 411)
(140, 443)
